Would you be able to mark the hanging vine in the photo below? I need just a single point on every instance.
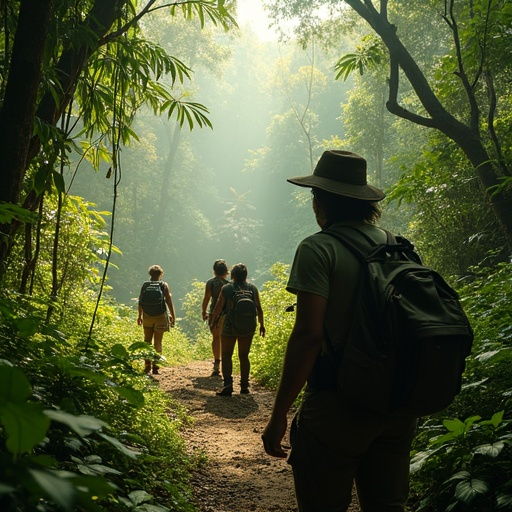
(116, 170)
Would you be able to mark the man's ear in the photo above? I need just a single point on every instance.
(319, 209)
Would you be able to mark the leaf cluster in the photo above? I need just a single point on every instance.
(79, 424)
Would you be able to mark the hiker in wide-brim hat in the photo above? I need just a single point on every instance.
(342, 173)
(335, 443)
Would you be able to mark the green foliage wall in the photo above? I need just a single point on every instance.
(267, 353)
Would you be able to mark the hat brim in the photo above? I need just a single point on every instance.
(363, 192)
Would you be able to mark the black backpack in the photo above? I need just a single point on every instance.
(243, 313)
(406, 350)
(152, 298)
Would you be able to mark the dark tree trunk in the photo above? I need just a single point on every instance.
(18, 146)
(19, 105)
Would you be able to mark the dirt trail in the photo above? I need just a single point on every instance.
(239, 476)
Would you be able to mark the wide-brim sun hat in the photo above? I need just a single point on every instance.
(342, 173)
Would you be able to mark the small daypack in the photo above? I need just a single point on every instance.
(152, 298)
(243, 314)
(217, 284)
(406, 349)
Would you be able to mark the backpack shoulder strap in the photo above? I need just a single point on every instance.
(361, 249)
(369, 250)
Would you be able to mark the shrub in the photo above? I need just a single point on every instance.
(466, 464)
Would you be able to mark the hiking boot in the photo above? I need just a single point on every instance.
(244, 391)
(216, 368)
(225, 391)
(155, 371)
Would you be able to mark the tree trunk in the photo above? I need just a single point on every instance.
(19, 105)
(18, 146)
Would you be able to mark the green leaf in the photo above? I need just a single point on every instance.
(495, 421)
(27, 326)
(97, 469)
(120, 446)
(133, 396)
(461, 475)
(468, 423)
(14, 385)
(139, 497)
(91, 488)
(455, 426)
(82, 424)
(58, 489)
(139, 345)
(10, 212)
(467, 490)
(120, 351)
(25, 425)
(491, 450)
(504, 501)
(40, 178)
(58, 179)
(6, 489)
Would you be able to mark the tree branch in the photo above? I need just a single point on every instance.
(490, 122)
(392, 104)
(440, 118)
(112, 36)
(474, 116)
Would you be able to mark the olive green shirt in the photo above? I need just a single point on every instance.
(324, 266)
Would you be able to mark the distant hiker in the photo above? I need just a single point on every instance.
(241, 300)
(211, 294)
(335, 443)
(154, 299)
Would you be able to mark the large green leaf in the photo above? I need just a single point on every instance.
(491, 450)
(139, 497)
(468, 490)
(119, 350)
(58, 489)
(134, 396)
(82, 424)
(120, 446)
(14, 385)
(25, 424)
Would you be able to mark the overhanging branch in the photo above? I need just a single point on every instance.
(392, 104)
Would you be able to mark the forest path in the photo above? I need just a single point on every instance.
(238, 476)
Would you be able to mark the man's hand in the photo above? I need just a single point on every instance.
(273, 435)
(139, 320)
